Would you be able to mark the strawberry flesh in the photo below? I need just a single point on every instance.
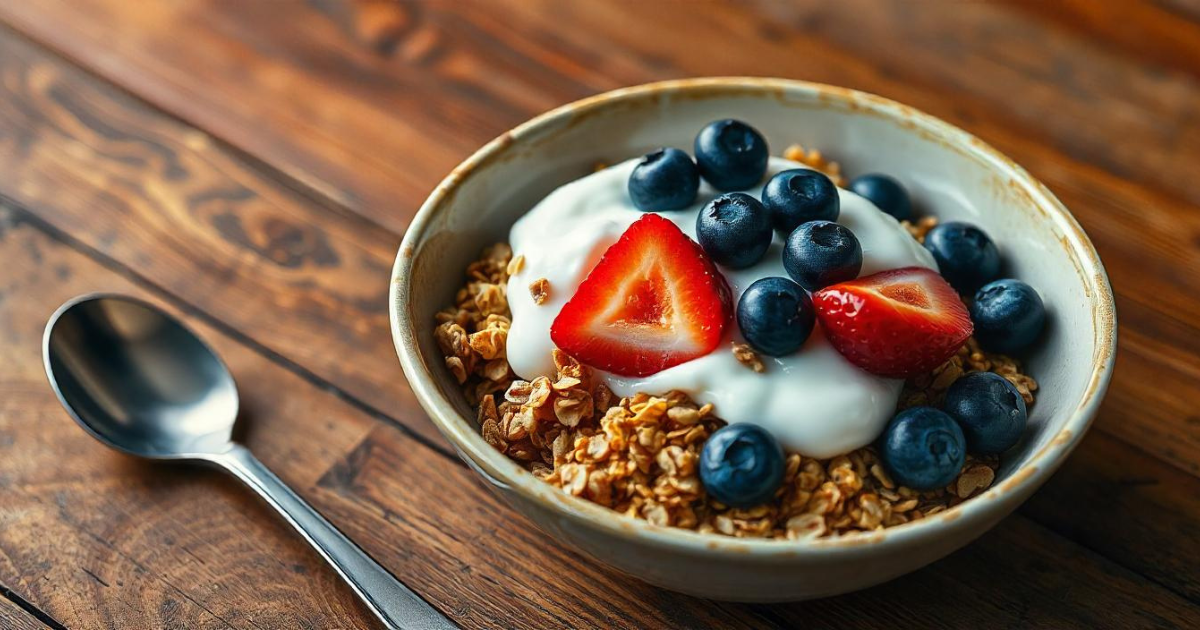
(653, 301)
(897, 323)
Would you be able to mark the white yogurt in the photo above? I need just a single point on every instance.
(814, 401)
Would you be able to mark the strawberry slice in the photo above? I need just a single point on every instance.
(897, 323)
(653, 301)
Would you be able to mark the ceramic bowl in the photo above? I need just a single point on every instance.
(949, 172)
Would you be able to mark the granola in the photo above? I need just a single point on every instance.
(815, 160)
(540, 290)
(639, 455)
(748, 357)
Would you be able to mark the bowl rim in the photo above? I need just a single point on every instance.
(978, 513)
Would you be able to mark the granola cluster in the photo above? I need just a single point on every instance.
(919, 228)
(473, 334)
(930, 389)
(639, 455)
(812, 158)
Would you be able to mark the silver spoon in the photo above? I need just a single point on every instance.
(140, 382)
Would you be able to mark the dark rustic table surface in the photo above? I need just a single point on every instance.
(251, 164)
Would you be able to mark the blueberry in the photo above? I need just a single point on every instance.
(885, 192)
(798, 196)
(665, 179)
(731, 155)
(734, 229)
(741, 465)
(989, 410)
(1008, 316)
(775, 316)
(821, 253)
(965, 255)
(923, 448)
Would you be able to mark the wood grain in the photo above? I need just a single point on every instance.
(1120, 113)
(509, 59)
(1135, 509)
(384, 492)
(193, 219)
(1147, 30)
(100, 540)
(12, 617)
(1104, 138)
(253, 174)
(324, 138)
(979, 598)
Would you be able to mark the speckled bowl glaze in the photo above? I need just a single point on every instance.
(949, 172)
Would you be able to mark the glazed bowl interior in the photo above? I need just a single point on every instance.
(949, 173)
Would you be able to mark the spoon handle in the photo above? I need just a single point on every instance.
(391, 601)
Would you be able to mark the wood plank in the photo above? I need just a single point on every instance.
(1150, 30)
(1153, 400)
(977, 597)
(12, 617)
(1185, 9)
(343, 144)
(1131, 506)
(275, 253)
(195, 220)
(488, 66)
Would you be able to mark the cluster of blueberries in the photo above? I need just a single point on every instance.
(983, 413)
(775, 315)
(923, 448)
(735, 229)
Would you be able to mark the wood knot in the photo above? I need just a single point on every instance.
(282, 242)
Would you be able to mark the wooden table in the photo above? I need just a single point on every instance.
(251, 164)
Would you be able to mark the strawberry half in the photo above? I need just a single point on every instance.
(897, 323)
(653, 301)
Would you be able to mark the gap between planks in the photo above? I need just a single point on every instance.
(27, 606)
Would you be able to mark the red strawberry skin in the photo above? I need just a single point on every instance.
(897, 323)
(653, 301)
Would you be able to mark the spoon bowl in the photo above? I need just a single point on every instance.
(138, 380)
